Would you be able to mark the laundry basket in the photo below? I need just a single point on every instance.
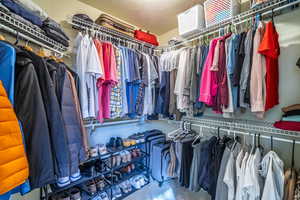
(217, 11)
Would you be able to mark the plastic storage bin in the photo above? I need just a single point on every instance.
(191, 21)
(217, 11)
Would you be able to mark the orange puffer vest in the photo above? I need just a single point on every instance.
(13, 162)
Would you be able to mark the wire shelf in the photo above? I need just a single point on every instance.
(264, 9)
(84, 25)
(250, 126)
(34, 34)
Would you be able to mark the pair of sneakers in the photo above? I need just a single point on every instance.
(101, 196)
(64, 181)
(138, 181)
(73, 194)
(125, 156)
(100, 149)
(126, 187)
(116, 192)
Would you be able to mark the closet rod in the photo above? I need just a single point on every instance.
(273, 5)
(247, 134)
(14, 32)
(250, 126)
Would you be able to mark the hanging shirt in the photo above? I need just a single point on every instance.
(269, 47)
(206, 95)
(93, 72)
(272, 170)
(81, 61)
(246, 69)
(182, 100)
(258, 72)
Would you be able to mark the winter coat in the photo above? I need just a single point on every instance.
(13, 163)
(55, 121)
(30, 110)
(69, 113)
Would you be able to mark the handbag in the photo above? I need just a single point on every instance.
(146, 37)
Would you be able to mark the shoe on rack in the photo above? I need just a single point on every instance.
(75, 194)
(64, 196)
(93, 152)
(75, 177)
(104, 196)
(100, 184)
(123, 157)
(128, 185)
(92, 187)
(116, 192)
(119, 143)
(124, 188)
(100, 166)
(63, 181)
(102, 149)
(118, 160)
(128, 154)
(111, 143)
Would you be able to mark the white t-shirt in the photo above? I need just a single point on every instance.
(272, 169)
(81, 62)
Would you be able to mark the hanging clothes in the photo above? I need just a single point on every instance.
(30, 110)
(258, 73)
(269, 47)
(7, 75)
(14, 165)
(272, 170)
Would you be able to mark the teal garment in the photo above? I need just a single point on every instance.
(295, 118)
(7, 68)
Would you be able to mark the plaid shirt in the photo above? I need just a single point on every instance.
(115, 98)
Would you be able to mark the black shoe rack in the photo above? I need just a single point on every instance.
(49, 193)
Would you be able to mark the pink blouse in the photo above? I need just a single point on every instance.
(207, 89)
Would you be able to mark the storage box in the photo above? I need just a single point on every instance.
(191, 21)
(217, 11)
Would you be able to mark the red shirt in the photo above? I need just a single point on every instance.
(269, 47)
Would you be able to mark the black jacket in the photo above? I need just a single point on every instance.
(30, 110)
(69, 113)
(55, 121)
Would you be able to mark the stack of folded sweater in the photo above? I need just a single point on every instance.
(54, 31)
(291, 118)
(32, 13)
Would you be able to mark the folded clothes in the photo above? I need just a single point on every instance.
(3, 8)
(294, 118)
(56, 36)
(287, 125)
(84, 18)
(292, 113)
(19, 10)
(51, 24)
(32, 7)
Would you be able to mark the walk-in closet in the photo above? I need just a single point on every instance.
(149, 99)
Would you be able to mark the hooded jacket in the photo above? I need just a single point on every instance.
(69, 113)
(30, 110)
(13, 163)
(54, 118)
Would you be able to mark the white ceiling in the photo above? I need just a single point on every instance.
(157, 16)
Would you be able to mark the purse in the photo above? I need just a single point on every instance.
(146, 37)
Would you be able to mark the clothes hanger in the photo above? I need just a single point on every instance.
(27, 47)
(293, 155)
(271, 143)
(41, 53)
(17, 38)
(2, 37)
(198, 137)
